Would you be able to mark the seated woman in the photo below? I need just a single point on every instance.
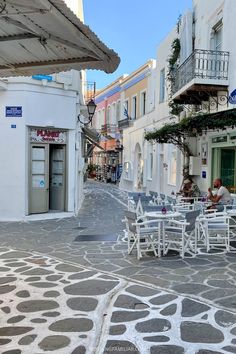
(190, 189)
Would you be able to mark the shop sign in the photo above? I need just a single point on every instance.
(42, 77)
(13, 111)
(47, 135)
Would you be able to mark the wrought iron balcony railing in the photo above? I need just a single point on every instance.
(201, 64)
(108, 128)
(89, 89)
(124, 123)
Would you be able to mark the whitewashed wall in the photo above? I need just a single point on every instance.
(41, 106)
(207, 14)
(160, 177)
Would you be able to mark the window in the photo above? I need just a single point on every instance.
(108, 117)
(127, 170)
(113, 114)
(172, 165)
(96, 119)
(219, 139)
(216, 45)
(118, 111)
(162, 86)
(134, 107)
(217, 36)
(99, 120)
(143, 103)
(126, 110)
(103, 118)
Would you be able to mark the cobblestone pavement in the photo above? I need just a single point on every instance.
(48, 305)
(164, 306)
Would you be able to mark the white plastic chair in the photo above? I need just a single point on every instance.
(143, 234)
(214, 230)
(179, 235)
(231, 211)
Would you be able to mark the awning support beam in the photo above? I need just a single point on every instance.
(18, 37)
(50, 62)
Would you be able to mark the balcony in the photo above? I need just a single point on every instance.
(108, 128)
(89, 89)
(204, 72)
(124, 123)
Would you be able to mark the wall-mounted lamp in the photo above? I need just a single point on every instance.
(119, 146)
(91, 107)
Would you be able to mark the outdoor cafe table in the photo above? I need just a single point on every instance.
(189, 199)
(162, 216)
(157, 215)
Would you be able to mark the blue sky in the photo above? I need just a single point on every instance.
(133, 28)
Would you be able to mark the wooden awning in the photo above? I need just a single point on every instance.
(45, 36)
(92, 136)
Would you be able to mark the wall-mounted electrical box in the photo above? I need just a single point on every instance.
(194, 166)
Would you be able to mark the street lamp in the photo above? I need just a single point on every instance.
(119, 146)
(91, 107)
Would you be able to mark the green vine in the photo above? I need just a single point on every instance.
(178, 23)
(191, 127)
(175, 52)
(178, 133)
(175, 109)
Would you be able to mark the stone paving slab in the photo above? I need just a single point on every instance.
(49, 305)
(208, 280)
(209, 277)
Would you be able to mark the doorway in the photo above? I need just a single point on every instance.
(223, 165)
(138, 168)
(47, 180)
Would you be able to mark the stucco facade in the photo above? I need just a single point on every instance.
(208, 16)
(45, 108)
(205, 30)
(108, 160)
(142, 85)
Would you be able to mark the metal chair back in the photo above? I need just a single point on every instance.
(131, 218)
(190, 218)
(162, 196)
(142, 198)
(134, 194)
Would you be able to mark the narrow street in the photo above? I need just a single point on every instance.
(68, 286)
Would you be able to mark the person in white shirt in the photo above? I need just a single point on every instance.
(222, 196)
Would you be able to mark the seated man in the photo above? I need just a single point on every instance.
(190, 189)
(221, 198)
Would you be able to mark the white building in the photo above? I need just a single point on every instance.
(204, 83)
(138, 114)
(40, 151)
(40, 148)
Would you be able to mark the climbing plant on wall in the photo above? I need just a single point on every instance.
(176, 133)
(175, 109)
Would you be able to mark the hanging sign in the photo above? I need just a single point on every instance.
(42, 77)
(47, 135)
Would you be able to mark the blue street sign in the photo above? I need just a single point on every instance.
(13, 111)
(232, 97)
(42, 77)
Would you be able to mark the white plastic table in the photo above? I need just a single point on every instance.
(157, 215)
